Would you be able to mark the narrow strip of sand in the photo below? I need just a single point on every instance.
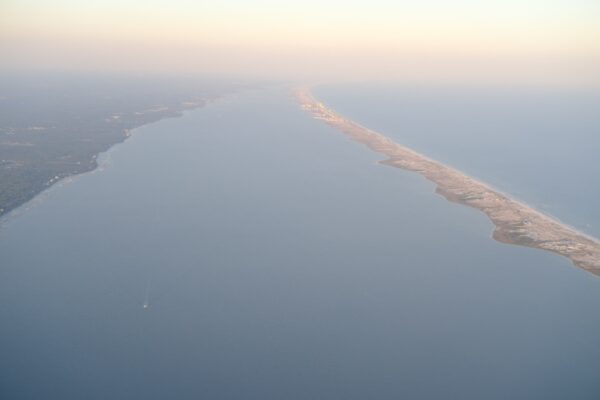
(515, 222)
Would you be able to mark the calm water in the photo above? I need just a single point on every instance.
(279, 261)
(538, 144)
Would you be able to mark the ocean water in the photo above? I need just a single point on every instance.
(278, 260)
(537, 144)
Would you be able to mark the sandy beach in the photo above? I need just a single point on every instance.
(515, 222)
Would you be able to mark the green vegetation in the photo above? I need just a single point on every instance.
(54, 126)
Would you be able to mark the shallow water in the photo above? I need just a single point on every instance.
(278, 260)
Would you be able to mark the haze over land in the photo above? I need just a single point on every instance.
(435, 41)
(54, 125)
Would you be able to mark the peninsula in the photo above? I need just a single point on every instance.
(515, 222)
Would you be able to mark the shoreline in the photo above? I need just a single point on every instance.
(94, 164)
(514, 222)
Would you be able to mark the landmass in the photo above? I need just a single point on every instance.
(52, 127)
(515, 222)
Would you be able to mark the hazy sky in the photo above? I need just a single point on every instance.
(535, 40)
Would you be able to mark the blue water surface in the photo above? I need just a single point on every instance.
(278, 260)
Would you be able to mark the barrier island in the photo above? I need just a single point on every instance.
(515, 222)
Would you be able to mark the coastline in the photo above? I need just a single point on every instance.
(94, 164)
(515, 222)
